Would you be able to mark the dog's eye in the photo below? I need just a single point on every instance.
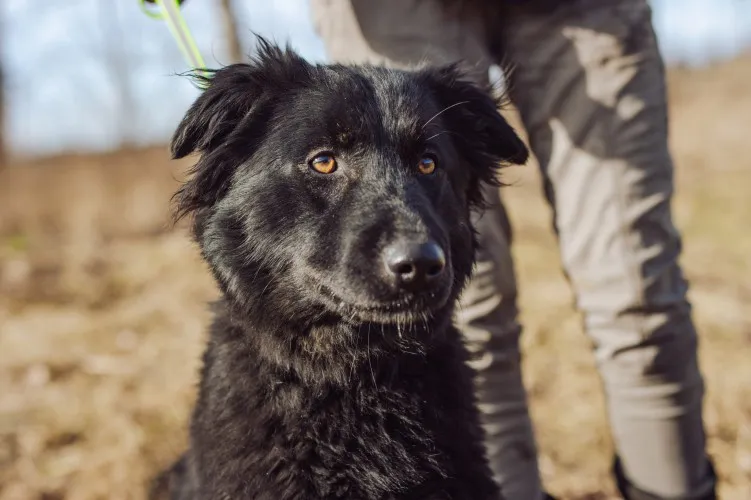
(323, 164)
(426, 165)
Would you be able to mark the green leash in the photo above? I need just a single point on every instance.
(169, 10)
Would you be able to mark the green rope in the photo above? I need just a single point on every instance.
(169, 10)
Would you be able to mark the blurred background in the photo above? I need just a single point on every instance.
(103, 303)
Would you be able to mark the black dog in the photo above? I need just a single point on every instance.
(332, 204)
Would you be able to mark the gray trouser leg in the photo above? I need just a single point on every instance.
(589, 83)
(488, 319)
(404, 33)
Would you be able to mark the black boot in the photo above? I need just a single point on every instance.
(631, 492)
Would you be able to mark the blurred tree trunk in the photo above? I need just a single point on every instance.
(115, 59)
(3, 150)
(231, 31)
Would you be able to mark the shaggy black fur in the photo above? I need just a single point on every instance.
(333, 369)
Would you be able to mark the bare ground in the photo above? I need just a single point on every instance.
(102, 312)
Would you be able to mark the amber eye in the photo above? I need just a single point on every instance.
(323, 163)
(426, 165)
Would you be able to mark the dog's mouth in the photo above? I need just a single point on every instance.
(410, 309)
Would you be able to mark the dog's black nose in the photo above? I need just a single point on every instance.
(414, 265)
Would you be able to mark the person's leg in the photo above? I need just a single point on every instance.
(589, 82)
(404, 33)
(487, 318)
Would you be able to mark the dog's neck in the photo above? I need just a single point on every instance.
(329, 350)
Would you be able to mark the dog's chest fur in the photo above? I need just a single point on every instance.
(398, 430)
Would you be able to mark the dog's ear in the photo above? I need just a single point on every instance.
(228, 94)
(484, 138)
(228, 120)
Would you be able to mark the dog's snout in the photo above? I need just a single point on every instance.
(414, 265)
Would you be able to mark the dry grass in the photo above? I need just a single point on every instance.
(102, 313)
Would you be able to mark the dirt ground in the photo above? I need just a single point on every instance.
(102, 312)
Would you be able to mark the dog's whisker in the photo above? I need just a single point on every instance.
(441, 112)
(438, 134)
(370, 359)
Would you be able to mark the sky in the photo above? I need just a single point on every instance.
(65, 61)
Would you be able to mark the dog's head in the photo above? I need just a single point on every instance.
(333, 190)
